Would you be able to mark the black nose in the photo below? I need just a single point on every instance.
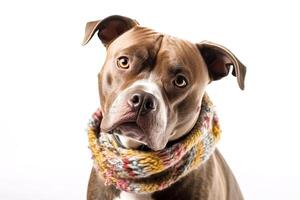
(143, 102)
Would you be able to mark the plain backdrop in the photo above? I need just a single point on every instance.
(48, 88)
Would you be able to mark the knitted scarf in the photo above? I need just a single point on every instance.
(149, 171)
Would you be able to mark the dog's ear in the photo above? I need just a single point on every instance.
(108, 29)
(219, 60)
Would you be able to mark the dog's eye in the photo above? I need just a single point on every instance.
(180, 81)
(123, 62)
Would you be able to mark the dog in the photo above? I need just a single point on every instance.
(151, 87)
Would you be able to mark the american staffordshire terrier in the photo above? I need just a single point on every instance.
(151, 87)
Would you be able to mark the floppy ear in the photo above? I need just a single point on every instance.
(219, 60)
(108, 29)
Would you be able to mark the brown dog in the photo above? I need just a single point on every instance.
(151, 86)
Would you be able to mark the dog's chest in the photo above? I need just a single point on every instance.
(132, 196)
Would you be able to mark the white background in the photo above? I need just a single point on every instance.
(48, 88)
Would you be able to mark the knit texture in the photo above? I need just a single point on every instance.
(149, 171)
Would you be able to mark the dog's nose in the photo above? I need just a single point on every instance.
(143, 102)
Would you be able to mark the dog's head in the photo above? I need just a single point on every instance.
(151, 85)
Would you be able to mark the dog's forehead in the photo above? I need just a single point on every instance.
(179, 55)
(179, 51)
(137, 36)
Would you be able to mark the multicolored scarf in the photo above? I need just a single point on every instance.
(149, 171)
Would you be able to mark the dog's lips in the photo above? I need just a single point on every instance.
(134, 134)
(126, 126)
(111, 126)
(130, 129)
(135, 144)
(130, 132)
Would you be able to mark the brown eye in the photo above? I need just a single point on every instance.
(123, 62)
(180, 81)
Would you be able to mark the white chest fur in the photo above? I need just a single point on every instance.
(132, 196)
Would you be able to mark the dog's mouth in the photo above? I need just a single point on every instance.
(134, 144)
(129, 135)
